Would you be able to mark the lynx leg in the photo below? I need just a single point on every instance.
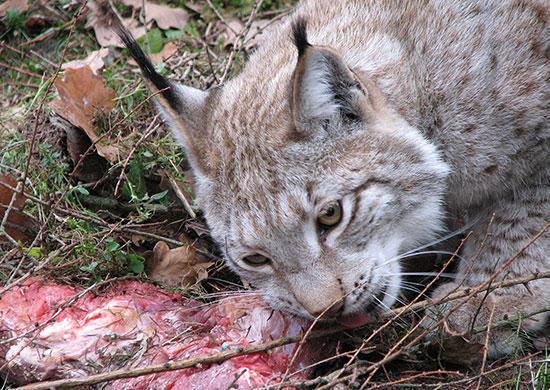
(505, 230)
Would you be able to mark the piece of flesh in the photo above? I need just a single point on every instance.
(133, 324)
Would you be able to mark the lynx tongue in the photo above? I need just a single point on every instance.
(355, 320)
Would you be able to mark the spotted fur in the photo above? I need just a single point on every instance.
(413, 115)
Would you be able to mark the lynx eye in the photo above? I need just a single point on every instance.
(256, 260)
(330, 215)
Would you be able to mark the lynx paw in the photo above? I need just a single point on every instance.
(470, 318)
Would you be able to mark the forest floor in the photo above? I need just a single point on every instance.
(87, 194)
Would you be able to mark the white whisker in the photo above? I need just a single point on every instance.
(444, 275)
(445, 238)
(408, 255)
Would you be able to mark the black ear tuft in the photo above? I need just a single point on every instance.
(299, 33)
(108, 17)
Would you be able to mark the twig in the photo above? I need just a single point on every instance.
(177, 365)
(486, 346)
(240, 39)
(181, 195)
(31, 74)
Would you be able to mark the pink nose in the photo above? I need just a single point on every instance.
(329, 312)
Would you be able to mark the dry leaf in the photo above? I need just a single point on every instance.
(19, 5)
(195, 7)
(167, 51)
(179, 267)
(82, 95)
(165, 17)
(95, 60)
(18, 225)
(104, 33)
(234, 27)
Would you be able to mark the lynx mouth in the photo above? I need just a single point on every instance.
(364, 315)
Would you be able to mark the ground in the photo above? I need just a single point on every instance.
(106, 194)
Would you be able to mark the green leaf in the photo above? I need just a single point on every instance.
(134, 188)
(158, 196)
(173, 34)
(35, 252)
(81, 190)
(90, 267)
(155, 38)
(111, 245)
(136, 263)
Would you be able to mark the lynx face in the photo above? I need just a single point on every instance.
(320, 221)
(312, 188)
(327, 226)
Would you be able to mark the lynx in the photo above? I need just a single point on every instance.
(361, 130)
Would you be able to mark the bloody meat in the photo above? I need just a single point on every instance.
(134, 324)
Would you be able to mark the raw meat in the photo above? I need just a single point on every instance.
(134, 324)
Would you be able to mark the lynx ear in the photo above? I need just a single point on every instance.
(182, 107)
(324, 89)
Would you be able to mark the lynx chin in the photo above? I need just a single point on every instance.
(362, 130)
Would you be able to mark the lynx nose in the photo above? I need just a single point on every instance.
(331, 310)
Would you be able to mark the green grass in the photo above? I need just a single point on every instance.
(88, 245)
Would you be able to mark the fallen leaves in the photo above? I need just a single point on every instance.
(165, 17)
(179, 267)
(18, 225)
(234, 27)
(82, 97)
(18, 5)
(95, 60)
(104, 33)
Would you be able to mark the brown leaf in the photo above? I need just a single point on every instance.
(179, 267)
(104, 33)
(19, 5)
(95, 60)
(82, 96)
(18, 225)
(234, 27)
(165, 17)
(167, 51)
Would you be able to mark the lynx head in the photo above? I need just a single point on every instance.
(311, 184)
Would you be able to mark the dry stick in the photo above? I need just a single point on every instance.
(181, 196)
(240, 39)
(38, 267)
(415, 376)
(213, 8)
(171, 366)
(486, 346)
(392, 352)
(468, 293)
(44, 96)
(100, 222)
(406, 308)
(31, 74)
(48, 34)
(487, 285)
